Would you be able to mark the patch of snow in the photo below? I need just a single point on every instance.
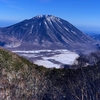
(66, 29)
(46, 24)
(67, 58)
(29, 55)
(38, 51)
(66, 40)
(49, 20)
(62, 56)
(39, 16)
(47, 64)
(59, 21)
(34, 51)
(39, 24)
(58, 25)
(26, 24)
(32, 26)
(73, 32)
(13, 45)
(31, 29)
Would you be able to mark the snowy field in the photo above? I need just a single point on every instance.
(50, 58)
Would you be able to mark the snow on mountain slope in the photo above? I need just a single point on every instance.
(45, 32)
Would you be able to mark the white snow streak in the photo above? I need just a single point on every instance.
(73, 32)
(46, 24)
(66, 29)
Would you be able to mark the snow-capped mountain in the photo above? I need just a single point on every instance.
(44, 31)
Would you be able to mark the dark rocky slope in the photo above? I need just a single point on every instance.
(22, 80)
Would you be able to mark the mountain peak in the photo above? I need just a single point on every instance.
(45, 16)
(45, 31)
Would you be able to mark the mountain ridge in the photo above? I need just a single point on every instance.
(22, 80)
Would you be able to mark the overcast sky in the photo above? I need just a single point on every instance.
(84, 14)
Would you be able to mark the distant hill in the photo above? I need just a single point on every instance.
(43, 32)
(96, 37)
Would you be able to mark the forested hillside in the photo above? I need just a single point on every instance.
(22, 80)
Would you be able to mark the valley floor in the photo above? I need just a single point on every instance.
(50, 58)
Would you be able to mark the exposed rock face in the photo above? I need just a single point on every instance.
(22, 80)
(44, 31)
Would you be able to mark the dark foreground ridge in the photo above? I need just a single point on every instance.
(22, 80)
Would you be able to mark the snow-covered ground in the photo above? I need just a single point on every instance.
(50, 58)
(47, 64)
(66, 58)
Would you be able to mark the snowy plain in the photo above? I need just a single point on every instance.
(50, 58)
